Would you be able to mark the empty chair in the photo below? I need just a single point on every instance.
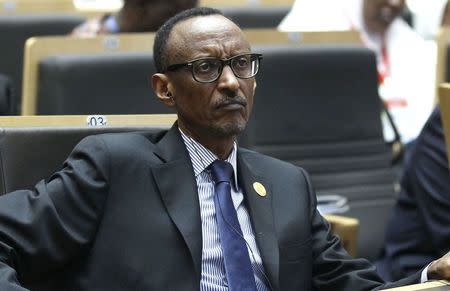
(256, 17)
(116, 83)
(15, 30)
(318, 107)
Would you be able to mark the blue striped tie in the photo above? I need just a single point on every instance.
(238, 268)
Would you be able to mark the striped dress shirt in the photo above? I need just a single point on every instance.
(213, 277)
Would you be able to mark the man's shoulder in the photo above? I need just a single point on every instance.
(128, 140)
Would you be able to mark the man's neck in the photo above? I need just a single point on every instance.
(221, 146)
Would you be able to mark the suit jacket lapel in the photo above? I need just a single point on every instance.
(176, 182)
(261, 214)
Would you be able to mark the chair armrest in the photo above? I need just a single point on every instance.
(347, 229)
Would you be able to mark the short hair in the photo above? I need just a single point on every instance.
(160, 53)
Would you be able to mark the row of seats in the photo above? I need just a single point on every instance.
(18, 28)
(39, 49)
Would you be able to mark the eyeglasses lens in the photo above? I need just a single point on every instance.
(208, 70)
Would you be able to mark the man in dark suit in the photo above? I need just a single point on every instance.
(155, 212)
(418, 230)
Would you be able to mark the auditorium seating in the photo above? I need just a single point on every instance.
(16, 29)
(59, 86)
(318, 107)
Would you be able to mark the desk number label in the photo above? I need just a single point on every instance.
(96, 120)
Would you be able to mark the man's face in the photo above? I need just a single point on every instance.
(379, 14)
(220, 108)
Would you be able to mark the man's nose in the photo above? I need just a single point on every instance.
(228, 80)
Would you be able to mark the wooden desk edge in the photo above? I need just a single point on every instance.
(421, 286)
(165, 120)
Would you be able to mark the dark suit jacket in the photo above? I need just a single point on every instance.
(419, 228)
(123, 214)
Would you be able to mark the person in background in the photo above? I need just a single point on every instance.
(134, 16)
(406, 63)
(418, 230)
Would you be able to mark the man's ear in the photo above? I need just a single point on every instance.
(160, 84)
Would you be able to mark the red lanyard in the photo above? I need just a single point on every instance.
(384, 68)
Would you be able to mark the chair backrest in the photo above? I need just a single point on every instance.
(15, 30)
(98, 84)
(51, 140)
(444, 104)
(40, 48)
(256, 17)
(318, 107)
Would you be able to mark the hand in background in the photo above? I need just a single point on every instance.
(440, 269)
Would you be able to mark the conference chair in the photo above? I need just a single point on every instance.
(318, 107)
(39, 48)
(33, 147)
(256, 17)
(15, 30)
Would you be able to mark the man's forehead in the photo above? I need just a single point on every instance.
(192, 31)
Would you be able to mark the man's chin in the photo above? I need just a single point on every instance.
(230, 129)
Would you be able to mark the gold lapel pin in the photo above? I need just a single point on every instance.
(260, 189)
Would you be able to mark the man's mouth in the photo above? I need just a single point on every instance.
(234, 103)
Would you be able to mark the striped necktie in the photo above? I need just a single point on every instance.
(238, 268)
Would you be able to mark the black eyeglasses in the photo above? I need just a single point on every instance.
(207, 70)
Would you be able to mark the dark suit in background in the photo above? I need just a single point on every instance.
(123, 214)
(7, 105)
(419, 228)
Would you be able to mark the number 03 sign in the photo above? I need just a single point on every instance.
(96, 120)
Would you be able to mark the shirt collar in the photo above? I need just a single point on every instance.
(201, 157)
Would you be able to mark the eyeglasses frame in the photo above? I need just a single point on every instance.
(224, 62)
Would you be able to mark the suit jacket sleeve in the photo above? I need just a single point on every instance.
(43, 228)
(333, 268)
(427, 180)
